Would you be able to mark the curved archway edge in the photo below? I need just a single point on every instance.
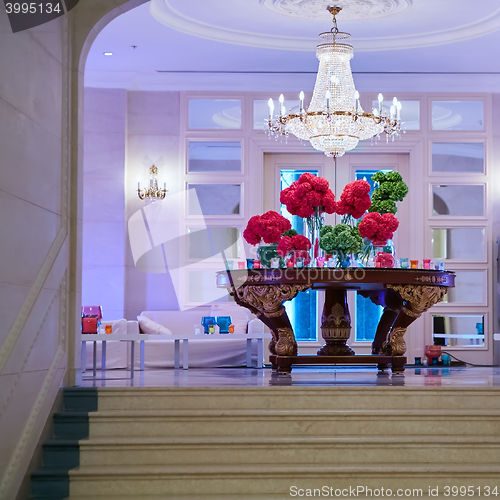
(85, 22)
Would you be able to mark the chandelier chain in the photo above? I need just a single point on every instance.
(334, 11)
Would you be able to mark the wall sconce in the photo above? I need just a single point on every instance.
(153, 192)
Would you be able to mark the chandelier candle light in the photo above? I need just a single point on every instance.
(153, 192)
(335, 122)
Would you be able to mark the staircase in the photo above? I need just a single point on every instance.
(242, 443)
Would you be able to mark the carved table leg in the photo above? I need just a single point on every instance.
(416, 300)
(336, 324)
(268, 301)
(384, 326)
(392, 303)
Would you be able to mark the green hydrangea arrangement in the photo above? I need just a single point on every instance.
(391, 188)
(341, 240)
(290, 233)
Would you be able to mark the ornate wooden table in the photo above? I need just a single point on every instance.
(404, 293)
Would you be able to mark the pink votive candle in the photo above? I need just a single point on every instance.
(427, 263)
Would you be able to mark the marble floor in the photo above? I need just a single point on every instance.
(451, 377)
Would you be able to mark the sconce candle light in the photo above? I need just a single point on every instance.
(153, 192)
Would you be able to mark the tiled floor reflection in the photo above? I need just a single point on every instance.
(301, 376)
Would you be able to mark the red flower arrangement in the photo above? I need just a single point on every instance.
(308, 195)
(378, 227)
(297, 244)
(269, 227)
(354, 200)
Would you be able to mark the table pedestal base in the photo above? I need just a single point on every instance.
(283, 364)
(336, 324)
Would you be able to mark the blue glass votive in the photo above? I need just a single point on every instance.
(223, 322)
(249, 263)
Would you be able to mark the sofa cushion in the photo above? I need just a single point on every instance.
(179, 322)
(150, 327)
(133, 327)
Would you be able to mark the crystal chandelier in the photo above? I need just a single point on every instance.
(153, 192)
(335, 122)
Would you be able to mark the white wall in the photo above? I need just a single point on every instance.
(34, 244)
(104, 229)
(125, 133)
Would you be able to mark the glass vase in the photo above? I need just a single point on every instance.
(383, 254)
(312, 228)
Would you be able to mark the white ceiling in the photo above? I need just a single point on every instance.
(246, 44)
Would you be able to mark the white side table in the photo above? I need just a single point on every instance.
(132, 338)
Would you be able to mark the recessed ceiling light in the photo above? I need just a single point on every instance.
(108, 53)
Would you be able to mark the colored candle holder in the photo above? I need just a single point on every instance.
(108, 328)
(427, 263)
(431, 352)
(256, 264)
(229, 265)
(445, 358)
(414, 264)
(300, 262)
(250, 263)
(275, 263)
(223, 322)
(241, 265)
(320, 261)
(207, 322)
(289, 263)
(404, 262)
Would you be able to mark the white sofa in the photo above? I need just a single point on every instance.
(202, 353)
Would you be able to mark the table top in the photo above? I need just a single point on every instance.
(359, 278)
(136, 337)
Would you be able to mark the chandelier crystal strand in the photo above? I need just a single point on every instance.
(335, 121)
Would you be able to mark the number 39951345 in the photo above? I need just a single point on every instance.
(33, 8)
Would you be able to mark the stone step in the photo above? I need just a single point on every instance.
(271, 479)
(185, 497)
(289, 450)
(298, 398)
(255, 423)
(206, 497)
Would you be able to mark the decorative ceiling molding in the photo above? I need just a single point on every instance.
(275, 83)
(352, 10)
(162, 11)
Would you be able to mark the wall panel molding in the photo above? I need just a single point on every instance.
(25, 440)
(17, 327)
